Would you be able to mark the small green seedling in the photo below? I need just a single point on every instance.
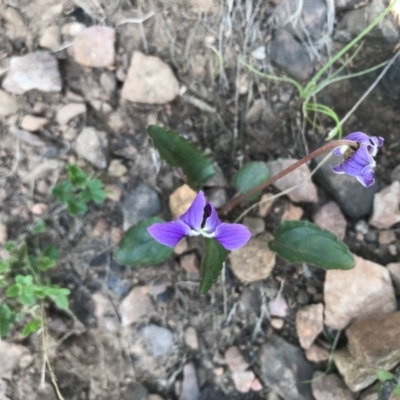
(79, 190)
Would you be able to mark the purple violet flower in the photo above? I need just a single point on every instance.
(201, 219)
(359, 163)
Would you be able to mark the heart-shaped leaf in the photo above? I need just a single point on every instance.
(250, 176)
(180, 152)
(302, 241)
(138, 248)
(212, 264)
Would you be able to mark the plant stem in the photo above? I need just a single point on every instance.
(237, 200)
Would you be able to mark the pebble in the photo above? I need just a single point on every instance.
(137, 392)
(306, 192)
(190, 263)
(91, 145)
(11, 355)
(39, 209)
(255, 112)
(154, 397)
(284, 369)
(252, 262)
(309, 324)
(292, 213)
(33, 124)
(277, 323)
(265, 206)
(278, 307)
(50, 38)
(356, 374)
(375, 340)
(38, 70)
(191, 339)
(217, 197)
(70, 111)
(149, 81)
(27, 137)
(3, 234)
(287, 53)
(386, 211)
(243, 381)
(95, 47)
(72, 28)
(330, 217)
(329, 387)
(358, 292)
(190, 386)
(113, 192)
(255, 225)
(141, 203)
(135, 305)
(117, 169)
(161, 339)
(180, 200)
(394, 270)
(108, 82)
(101, 227)
(200, 6)
(8, 105)
(317, 354)
(218, 180)
(395, 174)
(181, 247)
(354, 199)
(235, 360)
(386, 237)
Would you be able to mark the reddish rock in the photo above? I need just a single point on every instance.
(309, 324)
(330, 217)
(317, 354)
(292, 213)
(135, 305)
(386, 210)
(329, 387)
(235, 360)
(243, 381)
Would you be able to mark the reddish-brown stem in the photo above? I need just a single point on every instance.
(237, 200)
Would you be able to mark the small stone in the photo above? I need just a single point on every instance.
(329, 387)
(309, 324)
(278, 307)
(117, 169)
(11, 355)
(135, 305)
(149, 81)
(113, 192)
(331, 218)
(288, 54)
(277, 323)
(8, 105)
(137, 392)
(252, 262)
(235, 360)
(386, 237)
(181, 247)
(91, 145)
(218, 180)
(50, 38)
(33, 124)
(190, 387)
(39, 208)
(191, 339)
(392, 249)
(108, 82)
(180, 200)
(69, 112)
(190, 263)
(292, 213)
(3, 234)
(386, 211)
(317, 354)
(38, 70)
(256, 385)
(356, 374)
(243, 381)
(100, 228)
(116, 235)
(366, 289)
(255, 225)
(95, 47)
(217, 197)
(395, 174)
(265, 205)
(161, 339)
(255, 112)
(72, 28)
(375, 340)
(394, 270)
(141, 203)
(306, 192)
(27, 137)
(284, 369)
(154, 397)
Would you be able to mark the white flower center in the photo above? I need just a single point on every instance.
(202, 232)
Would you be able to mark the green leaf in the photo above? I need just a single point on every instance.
(13, 290)
(6, 317)
(61, 301)
(10, 246)
(212, 264)
(97, 189)
(51, 252)
(39, 227)
(27, 296)
(180, 152)
(76, 207)
(302, 241)
(76, 175)
(396, 390)
(63, 192)
(45, 263)
(250, 176)
(4, 266)
(31, 327)
(383, 375)
(138, 248)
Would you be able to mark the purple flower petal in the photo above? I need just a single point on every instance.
(169, 233)
(359, 137)
(193, 217)
(212, 222)
(371, 142)
(358, 161)
(232, 236)
(367, 179)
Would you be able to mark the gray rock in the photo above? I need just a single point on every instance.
(91, 145)
(143, 202)
(160, 339)
(353, 198)
(287, 53)
(136, 392)
(8, 105)
(284, 369)
(190, 387)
